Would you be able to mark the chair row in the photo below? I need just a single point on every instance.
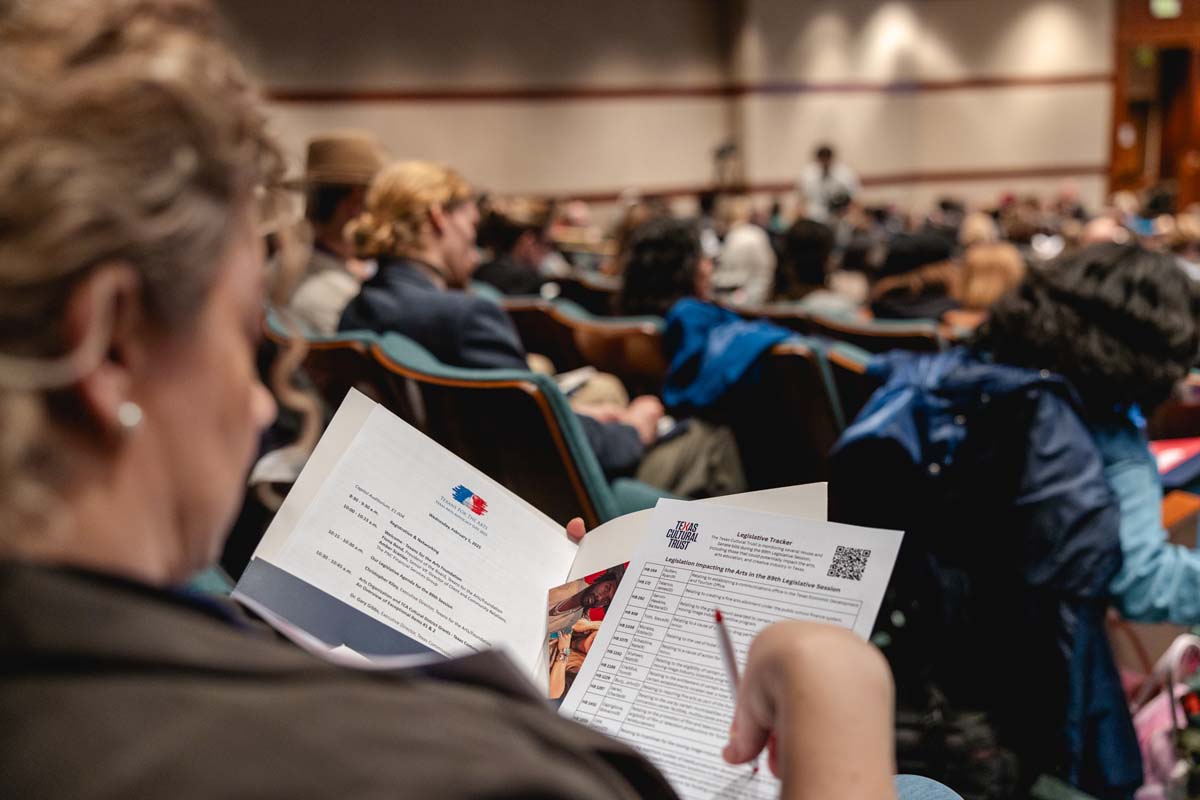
(631, 347)
(875, 336)
(571, 337)
(785, 423)
(515, 426)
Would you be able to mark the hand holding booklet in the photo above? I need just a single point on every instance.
(389, 545)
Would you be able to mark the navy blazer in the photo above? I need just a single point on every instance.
(464, 330)
(459, 328)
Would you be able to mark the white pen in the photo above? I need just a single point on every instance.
(727, 658)
(725, 645)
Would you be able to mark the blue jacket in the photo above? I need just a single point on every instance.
(1011, 543)
(1159, 581)
(710, 350)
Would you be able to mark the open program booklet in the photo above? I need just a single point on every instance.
(392, 547)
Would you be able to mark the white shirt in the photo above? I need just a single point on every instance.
(324, 294)
(745, 272)
(818, 189)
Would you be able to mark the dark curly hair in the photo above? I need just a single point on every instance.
(664, 255)
(1117, 321)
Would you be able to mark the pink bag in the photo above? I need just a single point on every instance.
(1158, 718)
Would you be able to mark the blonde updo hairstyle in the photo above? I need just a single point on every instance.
(396, 220)
(990, 271)
(128, 134)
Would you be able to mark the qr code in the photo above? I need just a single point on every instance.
(849, 563)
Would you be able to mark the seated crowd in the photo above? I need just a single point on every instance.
(140, 194)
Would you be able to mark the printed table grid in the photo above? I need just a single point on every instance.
(652, 635)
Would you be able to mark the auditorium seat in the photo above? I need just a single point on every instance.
(487, 292)
(879, 336)
(595, 292)
(1179, 417)
(572, 337)
(786, 315)
(514, 426)
(334, 364)
(787, 420)
(543, 332)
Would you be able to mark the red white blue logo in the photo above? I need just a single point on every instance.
(474, 502)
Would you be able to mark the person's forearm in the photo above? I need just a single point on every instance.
(839, 721)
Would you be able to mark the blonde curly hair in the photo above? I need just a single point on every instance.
(128, 133)
(396, 220)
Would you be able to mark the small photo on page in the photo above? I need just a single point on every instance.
(573, 616)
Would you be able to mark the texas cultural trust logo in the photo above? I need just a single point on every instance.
(683, 534)
(474, 502)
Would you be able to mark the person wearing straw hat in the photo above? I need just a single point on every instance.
(338, 167)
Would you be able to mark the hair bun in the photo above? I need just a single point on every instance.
(370, 235)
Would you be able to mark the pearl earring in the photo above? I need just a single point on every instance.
(129, 414)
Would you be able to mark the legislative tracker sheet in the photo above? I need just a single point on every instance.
(658, 682)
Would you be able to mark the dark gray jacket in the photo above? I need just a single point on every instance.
(109, 689)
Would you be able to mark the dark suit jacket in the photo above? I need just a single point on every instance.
(463, 330)
(510, 277)
(458, 328)
(113, 690)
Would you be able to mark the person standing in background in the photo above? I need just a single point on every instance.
(338, 167)
(826, 185)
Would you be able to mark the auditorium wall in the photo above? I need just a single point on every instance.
(930, 97)
(532, 95)
(922, 97)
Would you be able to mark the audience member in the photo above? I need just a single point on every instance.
(978, 228)
(826, 185)
(745, 269)
(803, 275)
(130, 408)
(668, 265)
(807, 247)
(917, 279)
(1121, 325)
(708, 348)
(420, 223)
(338, 167)
(1029, 498)
(989, 271)
(636, 213)
(516, 232)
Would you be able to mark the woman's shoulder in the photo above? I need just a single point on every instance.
(111, 675)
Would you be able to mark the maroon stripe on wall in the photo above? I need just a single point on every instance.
(551, 93)
(893, 179)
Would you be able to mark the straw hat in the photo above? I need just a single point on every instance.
(344, 157)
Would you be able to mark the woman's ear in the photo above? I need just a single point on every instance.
(437, 218)
(104, 323)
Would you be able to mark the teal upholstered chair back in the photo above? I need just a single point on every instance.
(513, 425)
(334, 364)
(879, 336)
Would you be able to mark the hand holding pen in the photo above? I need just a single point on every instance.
(820, 700)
